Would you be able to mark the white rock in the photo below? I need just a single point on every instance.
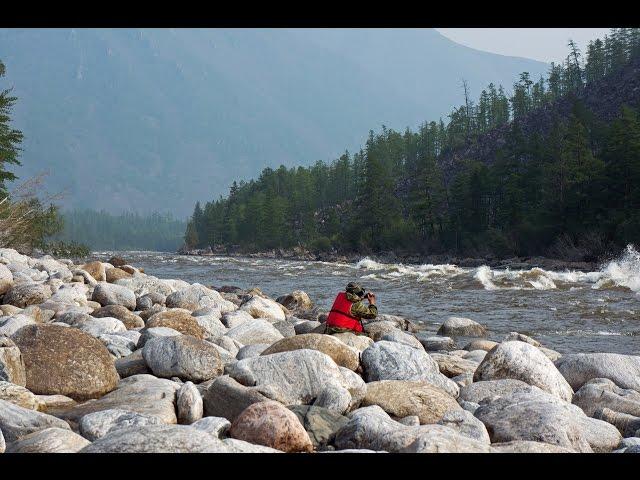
(189, 404)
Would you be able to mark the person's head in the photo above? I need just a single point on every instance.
(355, 289)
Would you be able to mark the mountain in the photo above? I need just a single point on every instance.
(155, 119)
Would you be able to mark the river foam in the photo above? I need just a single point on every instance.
(621, 273)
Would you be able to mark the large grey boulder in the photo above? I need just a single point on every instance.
(157, 439)
(227, 398)
(371, 428)
(250, 351)
(143, 394)
(459, 326)
(148, 333)
(521, 361)
(433, 343)
(603, 393)
(101, 326)
(146, 284)
(402, 337)
(292, 378)
(198, 296)
(545, 418)
(235, 318)
(17, 422)
(71, 294)
(465, 423)
(113, 294)
(579, 368)
(259, 307)
(395, 361)
(11, 363)
(254, 331)
(183, 356)
(49, 440)
(212, 326)
(98, 424)
(25, 294)
(479, 392)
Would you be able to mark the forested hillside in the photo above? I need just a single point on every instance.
(101, 230)
(553, 168)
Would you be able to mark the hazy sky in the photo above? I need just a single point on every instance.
(545, 44)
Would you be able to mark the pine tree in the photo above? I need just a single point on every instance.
(10, 138)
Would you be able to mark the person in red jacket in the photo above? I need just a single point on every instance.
(349, 309)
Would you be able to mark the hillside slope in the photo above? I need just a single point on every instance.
(156, 119)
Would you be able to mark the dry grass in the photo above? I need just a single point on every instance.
(27, 216)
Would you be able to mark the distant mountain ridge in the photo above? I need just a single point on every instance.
(155, 119)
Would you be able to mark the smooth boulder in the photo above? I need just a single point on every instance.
(402, 398)
(543, 417)
(273, 425)
(292, 378)
(579, 368)
(17, 422)
(49, 440)
(395, 361)
(183, 356)
(65, 361)
(339, 352)
(96, 425)
(459, 326)
(521, 361)
(113, 294)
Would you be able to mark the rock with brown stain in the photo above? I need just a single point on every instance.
(273, 425)
(339, 352)
(178, 319)
(65, 361)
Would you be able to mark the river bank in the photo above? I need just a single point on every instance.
(102, 357)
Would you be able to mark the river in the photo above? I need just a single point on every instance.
(568, 311)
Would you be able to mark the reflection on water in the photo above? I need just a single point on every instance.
(568, 311)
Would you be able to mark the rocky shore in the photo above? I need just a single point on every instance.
(513, 263)
(101, 357)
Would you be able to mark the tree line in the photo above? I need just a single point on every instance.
(101, 230)
(575, 189)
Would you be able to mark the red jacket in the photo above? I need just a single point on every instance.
(340, 314)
